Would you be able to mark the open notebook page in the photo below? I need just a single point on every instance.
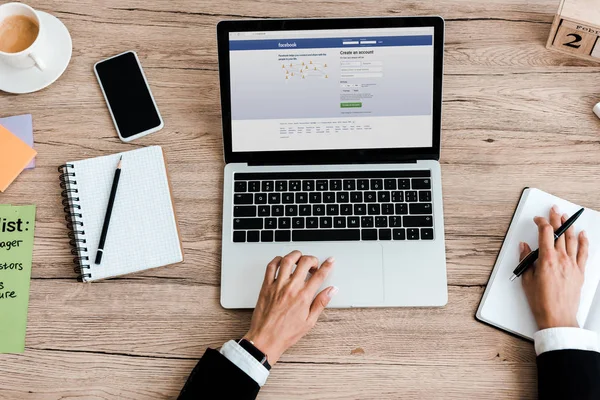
(143, 231)
(504, 303)
(593, 320)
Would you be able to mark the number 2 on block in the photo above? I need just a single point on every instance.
(577, 39)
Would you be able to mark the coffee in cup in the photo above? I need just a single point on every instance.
(17, 33)
(21, 36)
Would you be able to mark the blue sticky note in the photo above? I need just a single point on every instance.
(22, 127)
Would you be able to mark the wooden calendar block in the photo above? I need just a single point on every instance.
(576, 29)
(570, 38)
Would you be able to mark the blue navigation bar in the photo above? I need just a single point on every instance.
(324, 43)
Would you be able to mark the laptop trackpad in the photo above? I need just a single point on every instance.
(358, 271)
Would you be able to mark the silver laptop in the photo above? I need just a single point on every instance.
(331, 131)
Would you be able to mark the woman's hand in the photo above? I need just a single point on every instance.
(553, 284)
(287, 307)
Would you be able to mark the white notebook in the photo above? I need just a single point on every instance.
(142, 233)
(504, 304)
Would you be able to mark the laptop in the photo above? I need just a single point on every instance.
(331, 131)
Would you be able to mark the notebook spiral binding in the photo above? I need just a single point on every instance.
(74, 218)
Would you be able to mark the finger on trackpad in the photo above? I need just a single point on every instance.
(358, 271)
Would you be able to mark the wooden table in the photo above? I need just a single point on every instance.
(514, 115)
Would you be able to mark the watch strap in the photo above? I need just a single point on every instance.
(255, 352)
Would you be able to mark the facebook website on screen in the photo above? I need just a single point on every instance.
(331, 89)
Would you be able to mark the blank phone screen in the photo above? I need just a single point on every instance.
(128, 95)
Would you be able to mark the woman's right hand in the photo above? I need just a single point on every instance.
(553, 284)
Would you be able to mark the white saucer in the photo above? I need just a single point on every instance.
(56, 56)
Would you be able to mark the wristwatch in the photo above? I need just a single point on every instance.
(254, 352)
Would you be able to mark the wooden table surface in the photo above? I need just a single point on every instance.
(514, 115)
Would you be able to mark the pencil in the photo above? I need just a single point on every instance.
(111, 202)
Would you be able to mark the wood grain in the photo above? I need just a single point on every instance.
(514, 115)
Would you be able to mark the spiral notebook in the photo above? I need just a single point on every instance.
(504, 304)
(143, 231)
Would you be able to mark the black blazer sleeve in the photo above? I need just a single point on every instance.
(569, 374)
(216, 377)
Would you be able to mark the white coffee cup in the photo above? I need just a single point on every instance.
(29, 57)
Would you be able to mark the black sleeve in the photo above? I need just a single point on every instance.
(216, 377)
(569, 374)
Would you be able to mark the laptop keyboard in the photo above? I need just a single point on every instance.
(332, 206)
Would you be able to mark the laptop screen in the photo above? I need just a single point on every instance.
(332, 89)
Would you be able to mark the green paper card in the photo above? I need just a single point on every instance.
(17, 224)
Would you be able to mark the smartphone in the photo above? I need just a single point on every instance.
(128, 96)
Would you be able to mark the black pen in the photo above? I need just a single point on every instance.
(531, 257)
(111, 202)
